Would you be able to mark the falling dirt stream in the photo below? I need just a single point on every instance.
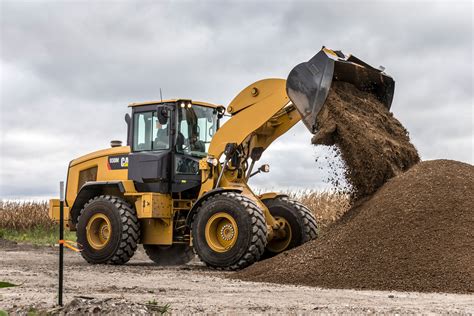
(373, 144)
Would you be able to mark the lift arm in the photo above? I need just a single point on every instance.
(261, 113)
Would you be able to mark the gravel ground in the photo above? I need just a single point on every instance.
(187, 289)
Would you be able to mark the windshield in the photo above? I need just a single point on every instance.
(197, 124)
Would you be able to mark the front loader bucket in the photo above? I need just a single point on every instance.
(308, 84)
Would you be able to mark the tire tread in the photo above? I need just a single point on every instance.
(310, 226)
(259, 230)
(130, 234)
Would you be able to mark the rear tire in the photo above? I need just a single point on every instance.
(108, 230)
(177, 254)
(229, 231)
(300, 220)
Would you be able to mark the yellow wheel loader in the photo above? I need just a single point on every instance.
(180, 186)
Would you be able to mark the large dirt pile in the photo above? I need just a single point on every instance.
(373, 144)
(414, 234)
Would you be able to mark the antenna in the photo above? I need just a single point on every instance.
(161, 95)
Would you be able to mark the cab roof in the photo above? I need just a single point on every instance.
(171, 101)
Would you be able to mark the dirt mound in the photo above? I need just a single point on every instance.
(373, 144)
(414, 234)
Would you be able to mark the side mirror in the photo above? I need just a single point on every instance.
(128, 120)
(162, 114)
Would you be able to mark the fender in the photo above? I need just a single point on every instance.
(271, 196)
(92, 189)
(208, 194)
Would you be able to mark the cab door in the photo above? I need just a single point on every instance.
(150, 157)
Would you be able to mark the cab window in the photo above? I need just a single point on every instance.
(148, 133)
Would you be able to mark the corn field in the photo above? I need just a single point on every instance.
(327, 207)
(22, 216)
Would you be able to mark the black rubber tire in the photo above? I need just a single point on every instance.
(301, 219)
(177, 254)
(125, 232)
(252, 231)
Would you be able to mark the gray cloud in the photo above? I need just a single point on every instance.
(70, 68)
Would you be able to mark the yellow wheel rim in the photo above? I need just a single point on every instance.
(98, 231)
(282, 237)
(221, 232)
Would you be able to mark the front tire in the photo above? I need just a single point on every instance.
(176, 254)
(108, 230)
(229, 231)
(298, 221)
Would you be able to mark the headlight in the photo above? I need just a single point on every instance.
(265, 168)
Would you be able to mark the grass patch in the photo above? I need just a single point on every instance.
(161, 309)
(6, 284)
(36, 235)
(3, 313)
(32, 312)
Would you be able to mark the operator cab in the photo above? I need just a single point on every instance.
(167, 139)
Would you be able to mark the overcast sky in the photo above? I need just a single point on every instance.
(69, 69)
